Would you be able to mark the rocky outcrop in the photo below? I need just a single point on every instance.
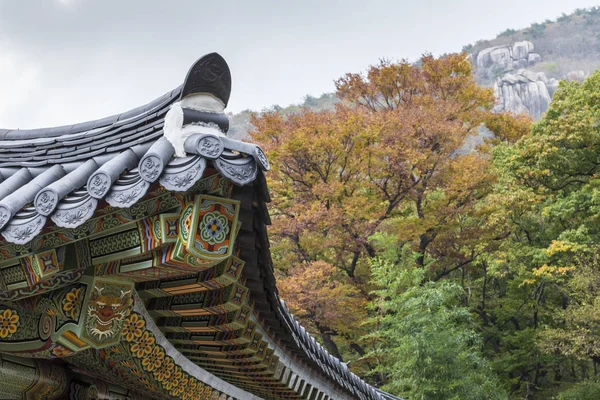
(533, 58)
(507, 57)
(524, 91)
(518, 89)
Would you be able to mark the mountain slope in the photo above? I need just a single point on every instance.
(544, 53)
(569, 43)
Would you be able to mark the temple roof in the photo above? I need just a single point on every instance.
(62, 172)
(43, 136)
(56, 179)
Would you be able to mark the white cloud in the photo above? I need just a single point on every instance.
(18, 81)
(66, 3)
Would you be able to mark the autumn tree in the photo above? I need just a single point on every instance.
(502, 241)
(393, 148)
(389, 158)
(322, 295)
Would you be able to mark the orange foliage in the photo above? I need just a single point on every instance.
(390, 158)
(317, 292)
(508, 126)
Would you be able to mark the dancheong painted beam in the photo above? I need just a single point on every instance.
(135, 264)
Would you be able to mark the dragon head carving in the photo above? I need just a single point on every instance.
(106, 312)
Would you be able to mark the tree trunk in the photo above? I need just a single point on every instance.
(328, 341)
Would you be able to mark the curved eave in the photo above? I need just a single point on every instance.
(36, 137)
(62, 177)
(276, 318)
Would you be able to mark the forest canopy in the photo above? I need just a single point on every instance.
(436, 271)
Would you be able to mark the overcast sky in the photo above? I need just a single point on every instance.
(67, 61)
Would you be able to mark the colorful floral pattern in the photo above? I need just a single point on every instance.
(9, 322)
(143, 346)
(165, 371)
(214, 228)
(71, 304)
(156, 369)
(173, 381)
(190, 391)
(132, 328)
(153, 360)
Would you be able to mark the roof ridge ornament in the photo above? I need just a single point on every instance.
(209, 74)
(204, 96)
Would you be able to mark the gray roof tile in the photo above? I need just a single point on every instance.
(25, 194)
(47, 198)
(75, 142)
(15, 181)
(100, 181)
(104, 145)
(81, 156)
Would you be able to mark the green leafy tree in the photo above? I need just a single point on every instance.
(428, 346)
(587, 390)
(540, 288)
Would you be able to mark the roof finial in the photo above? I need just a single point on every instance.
(204, 96)
(210, 74)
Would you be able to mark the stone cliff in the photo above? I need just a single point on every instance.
(524, 91)
(517, 87)
(508, 57)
